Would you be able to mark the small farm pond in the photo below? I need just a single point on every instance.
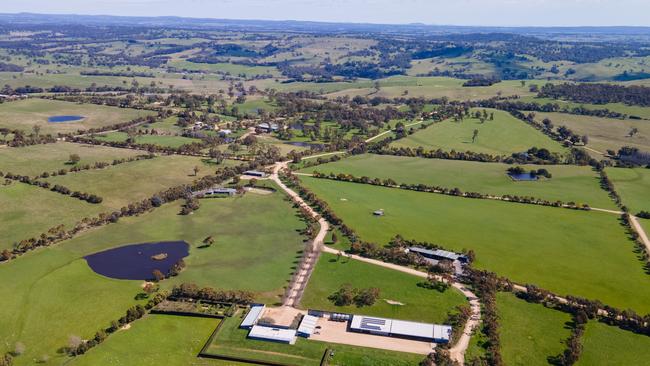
(523, 177)
(63, 119)
(138, 261)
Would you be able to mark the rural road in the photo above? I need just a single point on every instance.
(457, 352)
(300, 280)
(642, 234)
(321, 155)
(389, 131)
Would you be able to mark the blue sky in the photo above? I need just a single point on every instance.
(444, 12)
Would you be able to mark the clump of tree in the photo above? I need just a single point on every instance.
(643, 215)
(594, 93)
(486, 284)
(480, 81)
(74, 159)
(346, 295)
(574, 348)
(191, 204)
(192, 291)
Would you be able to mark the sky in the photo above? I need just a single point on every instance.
(435, 12)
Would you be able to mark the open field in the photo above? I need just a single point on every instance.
(465, 64)
(396, 86)
(568, 184)
(530, 333)
(152, 341)
(36, 159)
(232, 69)
(134, 181)
(251, 252)
(255, 105)
(562, 250)
(419, 304)
(24, 114)
(629, 110)
(603, 133)
(160, 140)
(71, 77)
(27, 211)
(633, 185)
(232, 341)
(167, 125)
(502, 136)
(606, 345)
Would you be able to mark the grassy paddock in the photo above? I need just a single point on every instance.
(530, 333)
(606, 345)
(428, 87)
(154, 340)
(419, 304)
(126, 183)
(569, 183)
(603, 133)
(27, 211)
(565, 251)
(160, 140)
(257, 243)
(630, 110)
(25, 114)
(633, 185)
(36, 159)
(502, 136)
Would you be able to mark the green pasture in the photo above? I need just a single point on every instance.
(251, 252)
(418, 304)
(152, 341)
(604, 133)
(502, 136)
(562, 250)
(604, 345)
(160, 140)
(27, 211)
(568, 183)
(530, 333)
(25, 114)
(36, 159)
(629, 110)
(411, 86)
(134, 181)
(633, 185)
(254, 106)
(232, 69)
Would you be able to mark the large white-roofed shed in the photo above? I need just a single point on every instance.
(273, 334)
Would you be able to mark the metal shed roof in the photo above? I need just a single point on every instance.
(375, 325)
(308, 325)
(433, 332)
(273, 334)
(253, 314)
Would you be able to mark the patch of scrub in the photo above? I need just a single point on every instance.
(138, 261)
